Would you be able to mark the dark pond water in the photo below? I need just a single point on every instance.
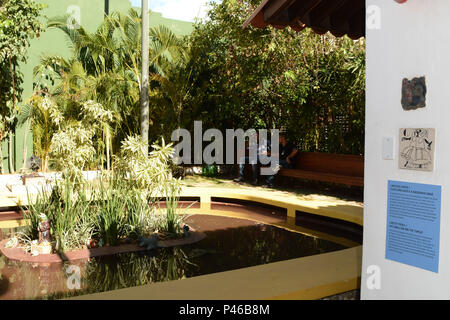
(236, 245)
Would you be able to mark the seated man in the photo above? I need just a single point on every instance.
(260, 148)
(287, 154)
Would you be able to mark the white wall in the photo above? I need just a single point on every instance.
(413, 41)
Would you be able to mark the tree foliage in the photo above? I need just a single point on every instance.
(311, 85)
(19, 23)
(105, 68)
(228, 77)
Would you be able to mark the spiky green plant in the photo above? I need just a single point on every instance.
(118, 207)
(111, 204)
(172, 199)
(69, 212)
(142, 219)
(173, 218)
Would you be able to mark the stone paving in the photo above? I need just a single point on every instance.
(351, 295)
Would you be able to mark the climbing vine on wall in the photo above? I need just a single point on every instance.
(19, 23)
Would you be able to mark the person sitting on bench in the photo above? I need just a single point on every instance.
(261, 148)
(287, 154)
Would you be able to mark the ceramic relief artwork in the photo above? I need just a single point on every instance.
(414, 94)
(416, 149)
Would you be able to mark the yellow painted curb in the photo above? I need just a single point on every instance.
(11, 224)
(329, 208)
(283, 225)
(311, 277)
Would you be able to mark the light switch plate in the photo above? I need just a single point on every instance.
(388, 148)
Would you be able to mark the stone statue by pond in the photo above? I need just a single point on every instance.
(186, 231)
(43, 246)
(149, 244)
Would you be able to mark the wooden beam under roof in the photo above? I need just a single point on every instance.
(339, 17)
(275, 7)
(300, 10)
(321, 14)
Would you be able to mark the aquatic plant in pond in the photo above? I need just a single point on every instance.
(69, 211)
(173, 220)
(110, 210)
(141, 219)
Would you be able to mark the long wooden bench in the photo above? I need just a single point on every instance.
(335, 168)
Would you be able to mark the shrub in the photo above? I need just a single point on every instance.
(119, 206)
(72, 150)
(69, 214)
(142, 170)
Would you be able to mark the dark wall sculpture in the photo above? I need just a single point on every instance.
(414, 94)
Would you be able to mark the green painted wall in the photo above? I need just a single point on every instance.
(55, 42)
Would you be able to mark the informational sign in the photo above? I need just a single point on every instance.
(413, 224)
(416, 149)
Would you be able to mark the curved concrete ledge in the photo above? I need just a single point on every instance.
(283, 225)
(307, 278)
(337, 209)
(11, 224)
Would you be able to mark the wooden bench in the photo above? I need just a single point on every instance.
(335, 168)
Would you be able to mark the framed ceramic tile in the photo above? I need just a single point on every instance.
(417, 149)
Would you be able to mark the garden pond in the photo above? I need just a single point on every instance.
(230, 244)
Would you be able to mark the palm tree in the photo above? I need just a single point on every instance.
(144, 98)
(105, 67)
(176, 83)
(45, 117)
(116, 45)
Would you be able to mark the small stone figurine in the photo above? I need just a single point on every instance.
(43, 246)
(44, 229)
(186, 231)
(149, 244)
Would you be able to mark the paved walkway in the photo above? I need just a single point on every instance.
(292, 201)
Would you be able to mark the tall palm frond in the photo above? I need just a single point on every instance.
(106, 67)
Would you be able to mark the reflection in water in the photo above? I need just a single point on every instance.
(221, 250)
(4, 282)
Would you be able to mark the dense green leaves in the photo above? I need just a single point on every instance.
(19, 23)
(228, 77)
(105, 68)
(251, 78)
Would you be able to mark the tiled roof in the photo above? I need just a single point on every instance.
(340, 17)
